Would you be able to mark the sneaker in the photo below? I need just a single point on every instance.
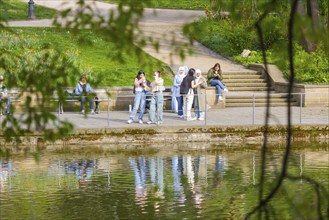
(191, 119)
(92, 111)
(82, 111)
(181, 116)
(225, 90)
(220, 98)
(159, 122)
(201, 119)
(140, 121)
(149, 122)
(130, 121)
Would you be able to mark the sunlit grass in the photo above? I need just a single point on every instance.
(18, 10)
(94, 54)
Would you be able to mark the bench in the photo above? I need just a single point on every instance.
(72, 98)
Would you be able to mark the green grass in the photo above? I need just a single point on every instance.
(18, 10)
(171, 4)
(94, 54)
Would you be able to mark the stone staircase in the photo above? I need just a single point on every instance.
(248, 88)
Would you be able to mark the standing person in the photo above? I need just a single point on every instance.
(157, 99)
(215, 77)
(187, 91)
(140, 97)
(199, 84)
(83, 89)
(4, 95)
(176, 93)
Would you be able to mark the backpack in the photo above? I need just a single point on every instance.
(183, 87)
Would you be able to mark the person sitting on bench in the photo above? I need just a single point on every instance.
(83, 89)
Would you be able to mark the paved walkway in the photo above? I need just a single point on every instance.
(214, 117)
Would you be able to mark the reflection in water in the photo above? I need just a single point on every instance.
(83, 170)
(177, 169)
(139, 169)
(174, 186)
(5, 173)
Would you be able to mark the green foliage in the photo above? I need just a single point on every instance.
(18, 10)
(309, 67)
(230, 36)
(255, 57)
(181, 4)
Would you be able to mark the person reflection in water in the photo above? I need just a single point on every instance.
(83, 170)
(156, 174)
(219, 168)
(177, 169)
(139, 169)
(5, 169)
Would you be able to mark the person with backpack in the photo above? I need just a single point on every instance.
(187, 92)
(140, 83)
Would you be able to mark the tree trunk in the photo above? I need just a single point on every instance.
(300, 7)
(313, 11)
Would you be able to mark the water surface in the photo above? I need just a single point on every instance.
(159, 183)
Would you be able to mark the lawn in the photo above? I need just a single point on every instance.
(172, 4)
(18, 10)
(93, 53)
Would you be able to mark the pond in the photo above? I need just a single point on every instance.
(161, 182)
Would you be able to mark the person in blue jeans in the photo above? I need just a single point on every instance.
(157, 99)
(176, 90)
(140, 97)
(215, 78)
(83, 89)
(4, 95)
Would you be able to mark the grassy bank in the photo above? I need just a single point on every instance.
(170, 4)
(97, 57)
(18, 10)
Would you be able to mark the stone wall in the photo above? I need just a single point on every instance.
(173, 135)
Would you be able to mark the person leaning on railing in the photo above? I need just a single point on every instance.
(4, 95)
(83, 89)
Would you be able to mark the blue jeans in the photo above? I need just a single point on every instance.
(180, 105)
(139, 102)
(156, 102)
(219, 86)
(82, 101)
(8, 101)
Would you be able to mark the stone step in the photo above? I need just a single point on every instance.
(244, 84)
(273, 100)
(244, 80)
(249, 89)
(280, 104)
(243, 73)
(225, 77)
(257, 95)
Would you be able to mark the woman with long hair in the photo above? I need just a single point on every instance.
(140, 97)
(215, 78)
